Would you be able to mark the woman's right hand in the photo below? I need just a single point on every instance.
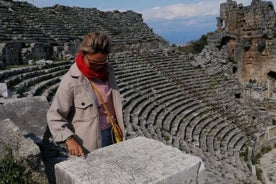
(74, 148)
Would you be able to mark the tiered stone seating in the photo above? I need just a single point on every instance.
(55, 32)
(14, 75)
(49, 93)
(3, 30)
(173, 115)
(34, 80)
(209, 89)
(13, 20)
(38, 88)
(59, 24)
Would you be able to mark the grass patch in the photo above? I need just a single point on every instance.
(243, 154)
(11, 172)
(262, 152)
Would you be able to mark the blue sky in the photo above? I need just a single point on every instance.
(177, 21)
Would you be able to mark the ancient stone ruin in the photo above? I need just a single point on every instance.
(218, 105)
(246, 36)
(249, 33)
(31, 33)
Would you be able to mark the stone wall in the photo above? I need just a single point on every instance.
(246, 39)
(243, 48)
(10, 53)
(249, 33)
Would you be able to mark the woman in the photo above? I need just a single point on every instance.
(78, 114)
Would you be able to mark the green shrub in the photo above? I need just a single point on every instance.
(259, 174)
(195, 47)
(263, 151)
(199, 44)
(243, 154)
(231, 60)
(273, 122)
(11, 172)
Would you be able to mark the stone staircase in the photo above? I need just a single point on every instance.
(38, 80)
(155, 106)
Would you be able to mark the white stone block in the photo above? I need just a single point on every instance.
(137, 160)
(3, 90)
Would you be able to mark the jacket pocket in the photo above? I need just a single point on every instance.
(84, 110)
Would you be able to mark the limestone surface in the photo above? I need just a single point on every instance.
(137, 160)
(25, 151)
(268, 166)
(29, 114)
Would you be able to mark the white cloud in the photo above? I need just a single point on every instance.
(174, 11)
(180, 10)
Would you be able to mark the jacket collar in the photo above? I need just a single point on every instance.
(74, 71)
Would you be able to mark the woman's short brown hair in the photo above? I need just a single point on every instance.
(95, 42)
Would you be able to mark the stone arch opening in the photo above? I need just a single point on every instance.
(270, 7)
(271, 84)
(225, 40)
(234, 69)
(272, 74)
(237, 95)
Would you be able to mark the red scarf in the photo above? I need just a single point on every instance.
(89, 72)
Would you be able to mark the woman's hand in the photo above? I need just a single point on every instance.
(74, 148)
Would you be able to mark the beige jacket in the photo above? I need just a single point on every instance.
(74, 110)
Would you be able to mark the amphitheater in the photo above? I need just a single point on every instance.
(218, 104)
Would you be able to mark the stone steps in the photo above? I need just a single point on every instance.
(33, 80)
(24, 86)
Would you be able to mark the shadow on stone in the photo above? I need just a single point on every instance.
(51, 154)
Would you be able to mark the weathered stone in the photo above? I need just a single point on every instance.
(245, 49)
(4, 90)
(10, 53)
(2, 65)
(137, 160)
(29, 114)
(11, 137)
(44, 62)
(253, 26)
(25, 151)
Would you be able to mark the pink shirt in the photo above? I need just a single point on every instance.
(105, 90)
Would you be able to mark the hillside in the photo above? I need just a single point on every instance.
(28, 32)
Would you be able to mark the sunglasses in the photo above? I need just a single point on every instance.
(94, 62)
